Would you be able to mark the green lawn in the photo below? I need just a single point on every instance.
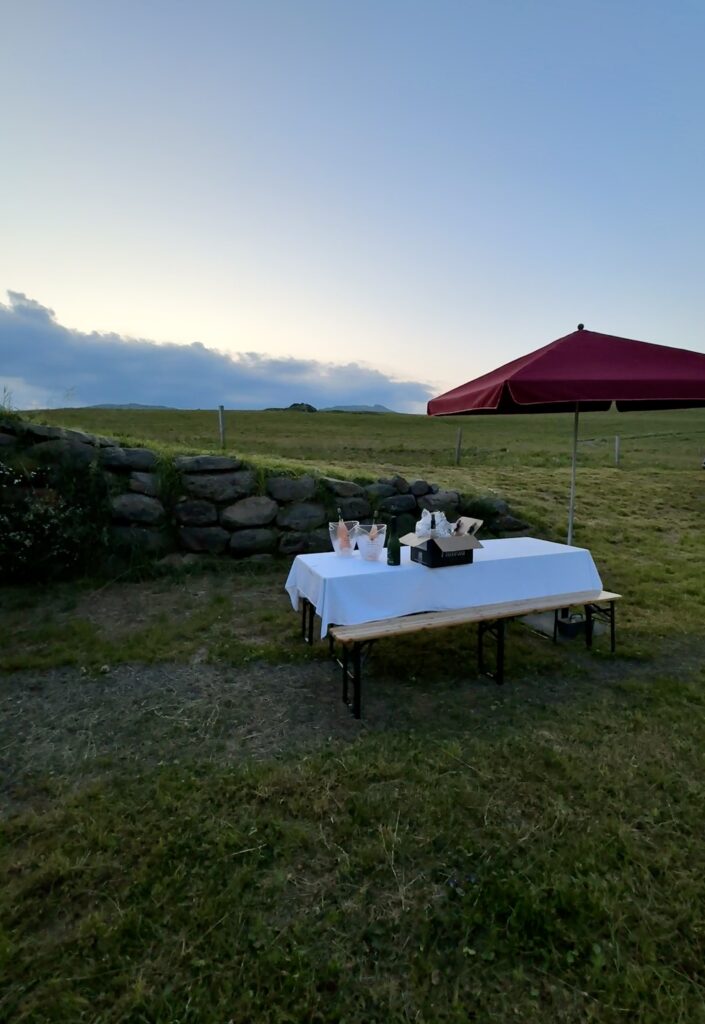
(532, 853)
(420, 443)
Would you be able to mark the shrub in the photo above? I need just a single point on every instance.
(50, 528)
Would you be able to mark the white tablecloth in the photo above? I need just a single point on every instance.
(348, 591)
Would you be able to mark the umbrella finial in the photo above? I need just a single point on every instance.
(581, 327)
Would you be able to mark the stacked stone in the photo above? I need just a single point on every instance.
(51, 443)
(219, 504)
(213, 508)
(396, 496)
(138, 515)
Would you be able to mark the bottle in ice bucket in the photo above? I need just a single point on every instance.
(433, 532)
(393, 545)
(343, 535)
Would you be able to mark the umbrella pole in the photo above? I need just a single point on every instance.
(571, 507)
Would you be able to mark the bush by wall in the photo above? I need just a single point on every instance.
(50, 529)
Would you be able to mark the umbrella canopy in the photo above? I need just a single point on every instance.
(588, 369)
(584, 371)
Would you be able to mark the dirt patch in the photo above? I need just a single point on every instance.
(122, 608)
(224, 615)
(63, 725)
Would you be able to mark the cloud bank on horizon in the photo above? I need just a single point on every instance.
(46, 365)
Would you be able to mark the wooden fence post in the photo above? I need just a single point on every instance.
(616, 449)
(221, 425)
(458, 445)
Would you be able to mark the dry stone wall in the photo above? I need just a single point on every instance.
(217, 505)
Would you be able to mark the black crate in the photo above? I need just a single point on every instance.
(434, 557)
(572, 626)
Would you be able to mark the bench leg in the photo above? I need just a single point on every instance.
(357, 682)
(499, 673)
(351, 660)
(593, 611)
(344, 663)
(613, 637)
(497, 630)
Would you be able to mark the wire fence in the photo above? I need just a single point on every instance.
(632, 437)
(615, 439)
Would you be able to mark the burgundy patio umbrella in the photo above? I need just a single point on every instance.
(583, 372)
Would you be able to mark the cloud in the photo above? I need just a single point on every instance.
(44, 364)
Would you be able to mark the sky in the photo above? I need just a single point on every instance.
(276, 201)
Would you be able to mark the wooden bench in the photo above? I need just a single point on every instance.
(491, 619)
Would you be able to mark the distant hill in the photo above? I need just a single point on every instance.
(131, 405)
(357, 408)
(294, 407)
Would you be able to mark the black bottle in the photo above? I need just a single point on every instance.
(393, 545)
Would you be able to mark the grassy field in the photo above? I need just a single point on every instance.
(422, 444)
(196, 830)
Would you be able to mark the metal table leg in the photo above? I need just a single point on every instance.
(594, 611)
(308, 613)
